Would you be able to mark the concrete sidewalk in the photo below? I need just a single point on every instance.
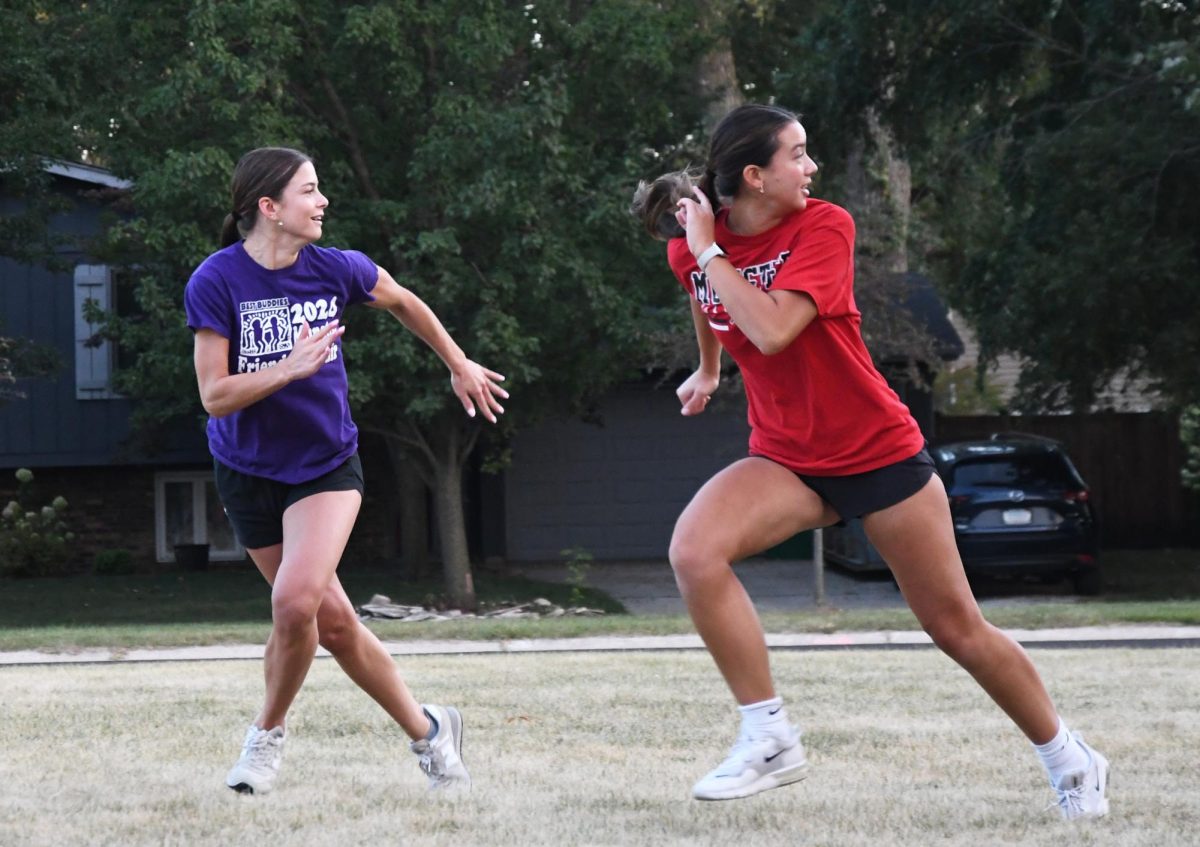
(1107, 636)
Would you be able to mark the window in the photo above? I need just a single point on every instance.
(1048, 471)
(188, 511)
(96, 358)
(93, 358)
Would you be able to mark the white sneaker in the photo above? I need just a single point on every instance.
(754, 764)
(440, 757)
(255, 771)
(1081, 794)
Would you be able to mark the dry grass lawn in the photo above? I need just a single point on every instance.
(575, 749)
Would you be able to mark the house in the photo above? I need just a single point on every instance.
(1122, 393)
(73, 429)
(615, 489)
(612, 489)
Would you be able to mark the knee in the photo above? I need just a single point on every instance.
(293, 613)
(337, 633)
(960, 633)
(692, 561)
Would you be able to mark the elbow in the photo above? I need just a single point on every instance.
(770, 344)
(214, 409)
(214, 406)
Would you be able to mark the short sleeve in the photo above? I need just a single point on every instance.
(681, 262)
(206, 303)
(821, 263)
(363, 274)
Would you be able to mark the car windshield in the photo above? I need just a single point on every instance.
(1047, 471)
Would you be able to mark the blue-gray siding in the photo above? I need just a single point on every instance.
(50, 427)
(615, 490)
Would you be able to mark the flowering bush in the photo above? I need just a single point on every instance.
(33, 541)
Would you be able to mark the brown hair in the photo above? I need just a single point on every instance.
(264, 172)
(749, 135)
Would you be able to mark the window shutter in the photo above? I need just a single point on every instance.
(93, 365)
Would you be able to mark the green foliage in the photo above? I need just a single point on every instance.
(22, 358)
(1056, 169)
(578, 561)
(115, 561)
(966, 391)
(34, 540)
(482, 151)
(1189, 434)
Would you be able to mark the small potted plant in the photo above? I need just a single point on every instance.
(191, 557)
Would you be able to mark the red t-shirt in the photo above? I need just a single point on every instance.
(818, 406)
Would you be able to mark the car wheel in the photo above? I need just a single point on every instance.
(1089, 582)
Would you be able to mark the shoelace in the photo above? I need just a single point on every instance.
(1070, 800)
(738, 753)
(430, 763)
(260, 751)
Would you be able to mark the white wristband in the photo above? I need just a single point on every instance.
(708, 255)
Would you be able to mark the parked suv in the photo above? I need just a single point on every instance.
(1020, 508)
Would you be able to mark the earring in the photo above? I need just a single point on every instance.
(762, 188)
(279, 222)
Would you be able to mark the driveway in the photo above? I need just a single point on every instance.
(648, 587)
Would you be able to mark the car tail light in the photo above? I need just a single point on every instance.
(1080, 496)
(959, 500)
(1085, 559)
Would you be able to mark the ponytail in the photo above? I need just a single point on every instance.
(655, 203)
(230, 233)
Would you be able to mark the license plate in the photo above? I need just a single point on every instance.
(1017, 517)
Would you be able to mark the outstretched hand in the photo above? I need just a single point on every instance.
(698, 221)
(310, 350)
(478, 388)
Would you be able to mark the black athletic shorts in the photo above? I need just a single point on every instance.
(862, 493)
(255, 504)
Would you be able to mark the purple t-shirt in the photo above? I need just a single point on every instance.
(303, 430)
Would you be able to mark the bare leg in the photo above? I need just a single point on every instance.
(916, 539)
(356, 649)
(315, 531)
(366, 662)
(750, 506)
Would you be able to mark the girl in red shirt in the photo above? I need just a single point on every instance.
(770, 276)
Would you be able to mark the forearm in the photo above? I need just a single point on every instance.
(756, 313)
(707, 343)
(420, 320)
(228, 394)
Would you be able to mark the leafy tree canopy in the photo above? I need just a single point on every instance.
(1056, 166)
(482, 151)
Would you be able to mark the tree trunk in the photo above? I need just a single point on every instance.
(450, 460)
(413, 508)
(716, 73)
(414, 524)
(878, 188)
(717, 78)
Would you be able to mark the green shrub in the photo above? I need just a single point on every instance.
(116, 561)
(33, 540)
(1189, 434)
(578, 561)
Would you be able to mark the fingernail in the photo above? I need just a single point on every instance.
(470, 413)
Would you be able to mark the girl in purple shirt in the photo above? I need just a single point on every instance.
(266, 312)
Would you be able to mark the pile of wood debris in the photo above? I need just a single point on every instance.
(381, 607)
